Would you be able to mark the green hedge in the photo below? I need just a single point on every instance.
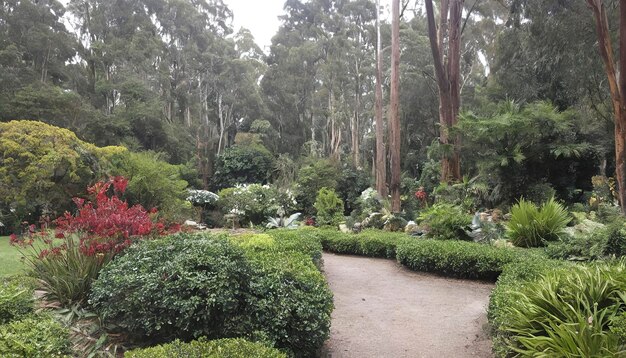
(221, 348)
(302, 240)
(16, 298)
(372, 243)
(38, 336)
(455, 258)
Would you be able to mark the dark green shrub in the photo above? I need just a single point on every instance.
(350, 185)
(445, 222)
(531, 226)
(35, 336)
(608, 214)
(220, 348)
(618, 327)
(454, 258)
(16, 298)
(320, 174)
(329, 207)
(567, 313)
(616, 239)
(241, 164)
(182, 286)
(289, 302)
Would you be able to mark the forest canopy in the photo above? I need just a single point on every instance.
(175, 78)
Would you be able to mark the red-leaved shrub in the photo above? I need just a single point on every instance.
(108, 223)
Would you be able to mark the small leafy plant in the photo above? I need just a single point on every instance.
(329, 207)
(290, 223)
(532, 226)
(445, 222)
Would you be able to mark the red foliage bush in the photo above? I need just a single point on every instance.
(108, 224)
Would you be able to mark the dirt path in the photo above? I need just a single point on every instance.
(385, 310)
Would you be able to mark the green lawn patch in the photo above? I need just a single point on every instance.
(10, 258)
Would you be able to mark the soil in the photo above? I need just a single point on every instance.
(385, 310)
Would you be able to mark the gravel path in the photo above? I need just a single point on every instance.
(385, 310)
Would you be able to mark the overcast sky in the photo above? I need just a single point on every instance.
(258, 16)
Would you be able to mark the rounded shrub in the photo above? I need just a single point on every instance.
(220, 348)
(182, 286)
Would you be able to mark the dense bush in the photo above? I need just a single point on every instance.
(567, 313)
(319, 174)
(154, 183)
(176, 287)
(220, 348)
(36, 336)
(16, 298)
(454, 258)
(445, 222)
(42, 167)
(579, 247)
(329, 207)
(615, 239)
(242, 164)
(532, 226)
(350, 185)
(188, 286)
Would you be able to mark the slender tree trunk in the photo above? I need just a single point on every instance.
(394, 119)
(220, 114)
(617, 86)
(447, 73)
(355, 122)
(381, 164)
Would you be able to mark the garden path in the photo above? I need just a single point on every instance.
(385, 310)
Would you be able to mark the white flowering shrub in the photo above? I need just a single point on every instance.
(202, 197)
(369, 202)
(253, 203)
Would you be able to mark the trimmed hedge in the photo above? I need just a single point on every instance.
(37, 336)
(221, 348)
(303, 241)
(455, 258)
(16, 298)
(373, 243)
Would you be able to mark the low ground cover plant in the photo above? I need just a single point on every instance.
(37, 336)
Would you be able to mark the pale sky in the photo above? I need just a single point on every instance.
(258, 16)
